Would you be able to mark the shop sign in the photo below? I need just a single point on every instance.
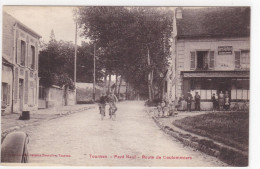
(225, 50)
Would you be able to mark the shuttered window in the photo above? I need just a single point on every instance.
(237, 59)
(8, 94)
(32, 57)
(16, 85)
(192, 60)
(18, 52)
(211, 59)
(23, 53)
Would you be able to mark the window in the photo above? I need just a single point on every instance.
(245, 59)
(240, 89)
(32, 57)
(242, 59)
(202, 60)
(23, 52)
(5, 94)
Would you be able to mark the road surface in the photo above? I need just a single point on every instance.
(133, 139)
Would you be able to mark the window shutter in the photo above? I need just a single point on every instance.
(211, 60)
(18, 52)
(237, 59)
(29, 56)
(16, 84)
(192, 60)
(8, 94)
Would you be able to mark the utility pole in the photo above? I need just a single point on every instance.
(75, 58)
(75, 63)
(94, 74)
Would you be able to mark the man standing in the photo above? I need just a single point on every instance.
(189, 100)
(197, 102)
(214, 100)
(111, 99)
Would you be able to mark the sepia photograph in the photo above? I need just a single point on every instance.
(118, 86)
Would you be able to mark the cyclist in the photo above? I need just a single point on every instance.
(111, 99)
(102, 103)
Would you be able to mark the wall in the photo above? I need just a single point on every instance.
(8, 78)
(13, 32)
(8, 38)
(222, 62)
(55, 96)
(85, 92)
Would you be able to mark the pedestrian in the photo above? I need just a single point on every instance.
(221, 101)
(227, 101)
(189, 101)
(197, 101)
(214, 101)
(163, 106)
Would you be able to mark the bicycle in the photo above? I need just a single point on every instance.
(102, 111)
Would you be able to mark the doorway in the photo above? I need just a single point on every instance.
(21, 85)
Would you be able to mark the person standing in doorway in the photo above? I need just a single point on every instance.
(197, 101)
(221, 101)
(189, 101)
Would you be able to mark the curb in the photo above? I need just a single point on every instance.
(15, 128)
(224, 153)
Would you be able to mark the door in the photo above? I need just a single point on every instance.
(21, 84)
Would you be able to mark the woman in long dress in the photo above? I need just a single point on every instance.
(221, 100)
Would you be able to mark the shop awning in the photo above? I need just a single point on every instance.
(215, 74)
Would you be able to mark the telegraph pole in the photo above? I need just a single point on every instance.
(94, 73)
(75, 58)
(75, 63)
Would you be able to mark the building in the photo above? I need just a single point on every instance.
(85, 92)
(19, 66)
(211, 53)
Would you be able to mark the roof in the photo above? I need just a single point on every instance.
(212, 74)
(214, 22)
(22, 26)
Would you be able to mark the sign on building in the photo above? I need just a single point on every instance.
(225, 50)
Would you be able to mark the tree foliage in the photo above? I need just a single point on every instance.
(125, 36)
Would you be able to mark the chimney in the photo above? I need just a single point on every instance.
(178, 13)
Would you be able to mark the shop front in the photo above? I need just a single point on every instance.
(207, 83)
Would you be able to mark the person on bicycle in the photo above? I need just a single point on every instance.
(111, 99)
(102, 103)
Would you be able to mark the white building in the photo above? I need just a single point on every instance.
(211, 53)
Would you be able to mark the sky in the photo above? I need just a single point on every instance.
(42, 19)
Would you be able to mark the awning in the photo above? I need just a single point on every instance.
(215, 74)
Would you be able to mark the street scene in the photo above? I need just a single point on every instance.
(93, 142)
(125, 86)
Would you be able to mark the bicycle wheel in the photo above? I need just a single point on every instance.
(114, 116)
(110, 113)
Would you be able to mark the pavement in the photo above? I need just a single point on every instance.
(133, 139)
(230, 155)
(11, 122)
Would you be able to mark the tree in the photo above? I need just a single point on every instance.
(134, 40)
(55, 62)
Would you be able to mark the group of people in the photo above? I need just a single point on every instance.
(220, 101)
(111, 99)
